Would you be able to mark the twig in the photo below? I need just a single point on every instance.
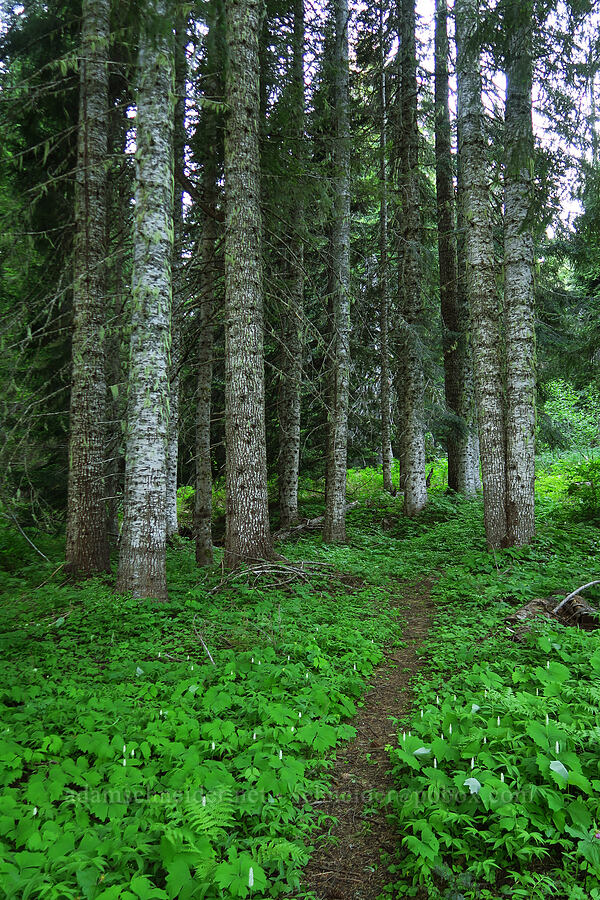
(574, 594)
(8, 515)
(201, 639)
(50, 577)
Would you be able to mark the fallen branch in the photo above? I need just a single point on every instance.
(285, 533)
(574, 594)
(201, 639)
(8, 515)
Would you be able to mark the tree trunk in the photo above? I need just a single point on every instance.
(384, 293)
(142, 560)
(334, 526)
(179, 142)
(473, 479)
(481, 281)
(204, 483)
(290, 384)
(87, 548)
(455, 315)
(118, 228)
(518, 279)
(203, 494)
(247, 528)
(413, 429)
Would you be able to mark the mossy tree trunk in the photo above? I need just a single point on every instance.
(87, 547)
(142, 559)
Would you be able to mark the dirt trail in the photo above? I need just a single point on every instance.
(349, 867)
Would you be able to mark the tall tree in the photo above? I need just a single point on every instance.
(87, 548)
(481, 276)
(212, 84)
(519, 276)
(179, 143)
(458, 377)
(290, 384)
(412, 428)
(247, 534)
(334, 526)
(384, 286)
(142, 558)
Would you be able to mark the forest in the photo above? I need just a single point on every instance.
(299, 450)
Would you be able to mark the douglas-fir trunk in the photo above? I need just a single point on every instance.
(384, 292)
(87, 548)
(247, 529)
(178, 277)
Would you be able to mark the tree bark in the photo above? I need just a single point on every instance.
(518, 278)
(334, 526)
(458, 380)
(384, 292)
(208, 279)
(481, 280)
(179, 142)
(247, 535)
(204, 484)
(87, 547)
(290, 385)
(412, 428)
(142, 559)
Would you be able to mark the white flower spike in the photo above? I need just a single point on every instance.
(250, 877)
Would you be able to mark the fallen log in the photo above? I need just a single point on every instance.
(309, 525)
(573, 610)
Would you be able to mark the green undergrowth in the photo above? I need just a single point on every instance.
(132, 767)
(498, 768)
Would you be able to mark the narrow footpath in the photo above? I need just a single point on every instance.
(347, 866)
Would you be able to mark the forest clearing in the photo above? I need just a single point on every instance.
(299, 450)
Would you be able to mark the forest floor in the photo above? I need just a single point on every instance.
(347, 863)
(135, 767)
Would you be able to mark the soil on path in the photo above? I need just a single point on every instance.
(348, 865)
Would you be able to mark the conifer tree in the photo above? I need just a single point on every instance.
(481, 276)
(87, 550)
(334, 526)
(290, 385)
(142, 558)
(412, 427)
(458, 374)
(247, 535)
(518, 276)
